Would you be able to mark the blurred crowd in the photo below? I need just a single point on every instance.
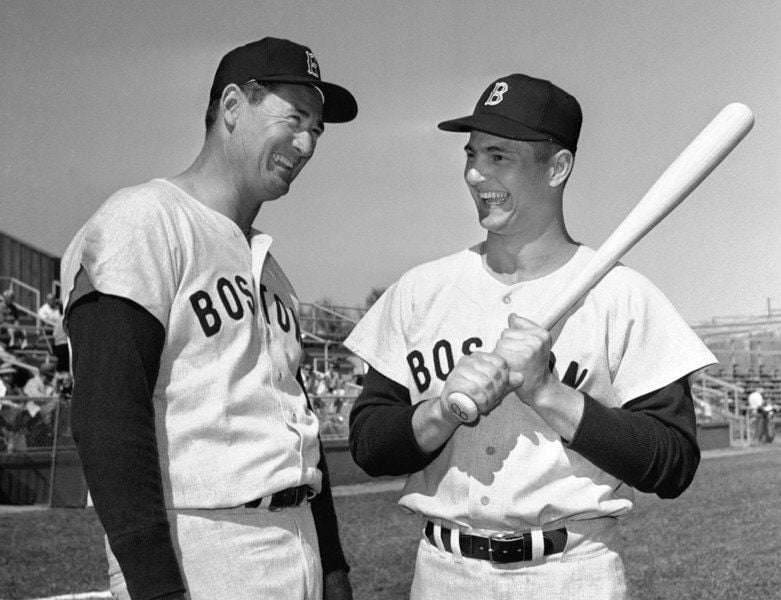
(28, 401)
(329, 391)
(31, 391)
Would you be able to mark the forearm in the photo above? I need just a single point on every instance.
(649, 444)
(116, 348)
(382, 436)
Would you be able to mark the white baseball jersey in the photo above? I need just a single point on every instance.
(511, 470)
(231, 420)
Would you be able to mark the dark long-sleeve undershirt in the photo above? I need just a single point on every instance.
(116, 357)
(650, 443)
(116, 349)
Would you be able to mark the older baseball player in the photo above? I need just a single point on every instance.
(199, 447)
(524, 503)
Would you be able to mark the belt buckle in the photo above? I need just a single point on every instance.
(283, 499)
(494, 553)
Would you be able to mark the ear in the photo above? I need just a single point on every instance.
(560, 167)
(230, 105)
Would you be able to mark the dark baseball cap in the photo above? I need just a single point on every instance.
(282, 61)
(520, 107)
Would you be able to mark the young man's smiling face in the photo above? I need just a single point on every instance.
(276, 139)
(506, 181)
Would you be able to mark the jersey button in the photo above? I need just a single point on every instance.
(294, 418)
(485, 500)
(279, 375)
(507, 299)
(490, 450)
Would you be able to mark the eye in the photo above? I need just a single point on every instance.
(497, 157)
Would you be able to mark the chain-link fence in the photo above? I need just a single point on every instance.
(38, 459)
(333, 411)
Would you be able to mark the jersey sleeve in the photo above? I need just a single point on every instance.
(651, 344)
(379, 337)
(126, 250)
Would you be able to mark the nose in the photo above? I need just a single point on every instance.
(473, 176)
(304, 142)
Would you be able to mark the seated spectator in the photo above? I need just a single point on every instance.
(310, 386)
(11, 438)
(320, 386)
(306, 376)
(42, 384)
(64, 385)
(8, 381)
(768, 411)
(9, 321)
(48, 311)
(332, 379)
(755, 400)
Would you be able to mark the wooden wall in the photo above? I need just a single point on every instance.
(28, 264)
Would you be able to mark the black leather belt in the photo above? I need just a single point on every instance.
(285, 499)
(501, 548)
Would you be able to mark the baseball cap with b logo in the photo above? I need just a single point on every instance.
(520, 107)
(282, 61)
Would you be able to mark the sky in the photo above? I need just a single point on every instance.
(99, 95)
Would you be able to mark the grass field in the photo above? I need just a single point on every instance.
(720, 541)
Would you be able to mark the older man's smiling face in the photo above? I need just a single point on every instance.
(277, 138)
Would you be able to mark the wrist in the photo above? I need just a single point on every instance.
(431, 427)
(442, 414)
(550, 394)
(559, 405)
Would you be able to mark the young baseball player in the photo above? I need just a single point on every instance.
(199, 447)
(524, 503)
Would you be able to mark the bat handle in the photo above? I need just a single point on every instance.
(462, 407)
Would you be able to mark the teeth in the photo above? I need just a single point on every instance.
(283, 160)
(494, 198)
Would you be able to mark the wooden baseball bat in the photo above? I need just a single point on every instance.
(691, 167)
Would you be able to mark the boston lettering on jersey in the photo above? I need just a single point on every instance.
(441, 358)
(210, 312)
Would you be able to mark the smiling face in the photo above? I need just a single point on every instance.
(273, 140)
(509, 186)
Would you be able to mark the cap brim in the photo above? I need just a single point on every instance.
(495, 125)
(339, 105)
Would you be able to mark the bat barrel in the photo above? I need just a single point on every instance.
(692, 166)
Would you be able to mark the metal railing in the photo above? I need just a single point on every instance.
(33, 434)
(38, 459)
(25, 295)
(723, 397)
(719, 400)
(329, 323)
